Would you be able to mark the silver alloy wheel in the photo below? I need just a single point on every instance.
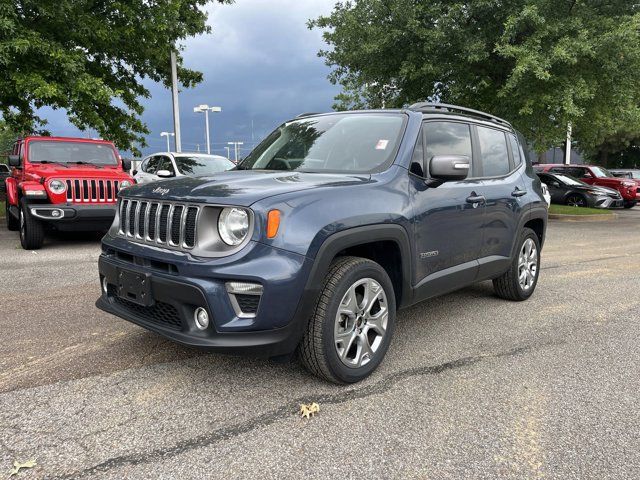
(575, 201)
(527, 264)
(361, 322)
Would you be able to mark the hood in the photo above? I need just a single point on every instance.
(240, 187)
(598, 188)
(52, 170)
(612, 181)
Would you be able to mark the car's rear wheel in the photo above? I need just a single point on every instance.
(519, 282)
(31, 230)
(575, 200)
(352, 324)
(12, 222)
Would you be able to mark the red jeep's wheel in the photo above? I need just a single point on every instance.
(31, 230)
(12, 222)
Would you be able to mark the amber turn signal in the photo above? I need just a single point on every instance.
(273, 223)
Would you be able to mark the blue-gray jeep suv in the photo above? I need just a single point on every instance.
(330, 225)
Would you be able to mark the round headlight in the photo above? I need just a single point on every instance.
(125, 184)
(233, 225)
(57, 186)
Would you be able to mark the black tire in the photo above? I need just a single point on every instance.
(508, 285)
(318, 349)
(12, 222)
(576, 200)
(629, 204)
(31, 230)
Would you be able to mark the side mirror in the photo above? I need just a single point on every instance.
(555, 184)
(449, 167)
(126, 164)
(164, 174)
(14, 161)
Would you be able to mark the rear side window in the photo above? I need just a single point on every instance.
(515, 150)
(493, 152)
(447, 138)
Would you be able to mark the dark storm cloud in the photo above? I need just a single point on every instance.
(260, 64)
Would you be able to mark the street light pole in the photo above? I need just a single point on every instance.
(167, 134)
(206, 109)
(174, 97)
(235, 149)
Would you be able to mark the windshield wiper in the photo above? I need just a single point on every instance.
(51, 163)
(81, 162)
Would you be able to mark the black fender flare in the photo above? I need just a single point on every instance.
(534, 213)
(352, 237)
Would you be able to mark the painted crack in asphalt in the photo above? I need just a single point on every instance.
(286, 410)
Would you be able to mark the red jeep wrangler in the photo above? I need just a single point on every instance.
(594, 175)
(70, 184)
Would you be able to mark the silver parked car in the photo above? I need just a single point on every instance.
(168, 164)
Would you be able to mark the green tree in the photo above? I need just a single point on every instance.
(7, 138)
(539, 63)
(90, 57)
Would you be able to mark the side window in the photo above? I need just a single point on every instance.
(446, 138)
(493, 152)
(165, 164)
(515, 150)
(152, 165)
(143, 165)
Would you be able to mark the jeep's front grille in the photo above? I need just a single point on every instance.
(92, 190)
(159, 223)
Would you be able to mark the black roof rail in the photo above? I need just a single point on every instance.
(308, 114)
(422, 106)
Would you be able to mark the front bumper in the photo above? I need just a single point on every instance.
(74, 216)
(178, 284)
(605, 201)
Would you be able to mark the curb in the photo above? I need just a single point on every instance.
(583, 218)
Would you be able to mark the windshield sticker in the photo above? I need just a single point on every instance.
(382, 144)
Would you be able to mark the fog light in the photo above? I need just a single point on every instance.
(104, 285)
(201, 318)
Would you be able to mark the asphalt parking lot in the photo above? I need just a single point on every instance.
(472, 387)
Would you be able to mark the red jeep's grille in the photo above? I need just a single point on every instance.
(92, 190)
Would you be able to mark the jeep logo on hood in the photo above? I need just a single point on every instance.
(160, 190)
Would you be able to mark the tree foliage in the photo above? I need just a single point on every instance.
(90, 57)
(539, 63)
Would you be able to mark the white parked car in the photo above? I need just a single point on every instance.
(168, 165)
(546, 194)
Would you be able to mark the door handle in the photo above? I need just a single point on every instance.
(518, 193)
(476, 199)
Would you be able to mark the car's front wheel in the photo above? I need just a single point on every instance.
(576, 200)
(519, 282)
(352, 323)
(31, 230)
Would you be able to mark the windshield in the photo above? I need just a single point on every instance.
(201, 165)
(71, 152)
(566, 179)
(361, 143)
(601, 172)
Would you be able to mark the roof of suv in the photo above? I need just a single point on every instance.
(66, 139)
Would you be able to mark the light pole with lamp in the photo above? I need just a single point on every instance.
(167, 134)
(206, 109)
(235, 148)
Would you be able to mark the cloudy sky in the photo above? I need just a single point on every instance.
(260, 64)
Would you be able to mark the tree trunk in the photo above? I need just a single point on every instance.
(542, 157)
(603, 157)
